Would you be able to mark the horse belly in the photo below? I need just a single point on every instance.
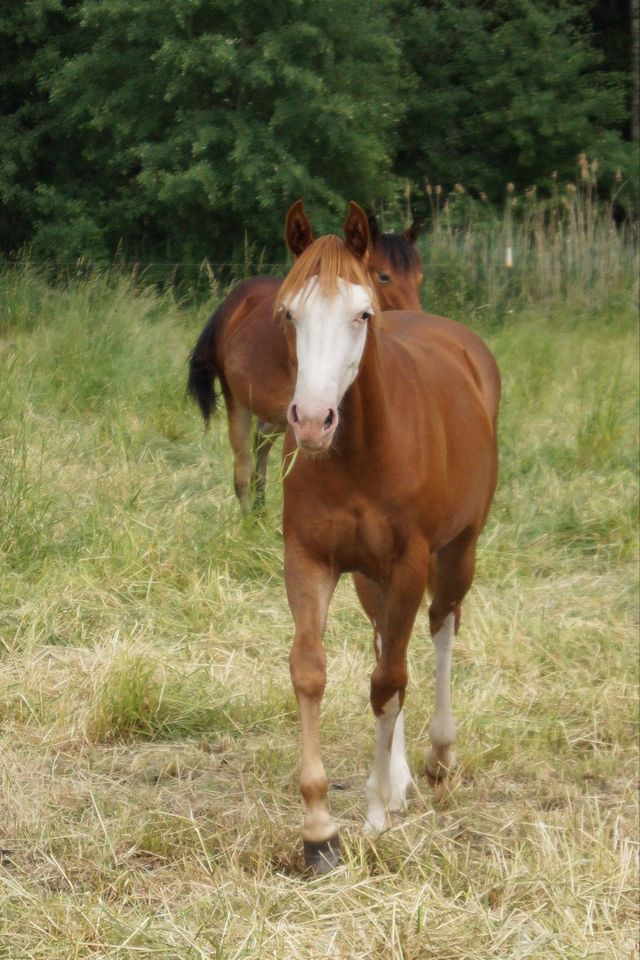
(262, 388)
(258, 376)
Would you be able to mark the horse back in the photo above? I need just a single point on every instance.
(257, 293)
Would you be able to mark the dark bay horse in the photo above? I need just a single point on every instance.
(393, 418)
(243, 346)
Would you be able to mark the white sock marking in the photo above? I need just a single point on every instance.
(399, 773)
(390, 777)
(443, 728)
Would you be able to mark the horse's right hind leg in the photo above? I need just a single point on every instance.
(455, 567)
(240, 440)
(264, 439)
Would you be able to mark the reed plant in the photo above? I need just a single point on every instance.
(568, 244)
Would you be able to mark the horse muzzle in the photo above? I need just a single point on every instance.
(313, 431)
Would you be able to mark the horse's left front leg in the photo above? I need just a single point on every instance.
(390, 776)
(310, 587)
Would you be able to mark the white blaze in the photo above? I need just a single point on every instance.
(330, 339)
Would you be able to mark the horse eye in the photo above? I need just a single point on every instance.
(288, 315)
(364, 316)
(384, 278)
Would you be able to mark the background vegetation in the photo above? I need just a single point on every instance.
(181, 130)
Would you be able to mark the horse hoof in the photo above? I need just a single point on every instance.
(322, 857)
(436, 771)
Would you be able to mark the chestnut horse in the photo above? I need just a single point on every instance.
(243, 346)
(394, 420)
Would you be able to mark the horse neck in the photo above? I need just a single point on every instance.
(365, 409)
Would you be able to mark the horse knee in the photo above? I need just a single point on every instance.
(308, 672)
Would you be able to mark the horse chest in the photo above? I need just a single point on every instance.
(357, 536)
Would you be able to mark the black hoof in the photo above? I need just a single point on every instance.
(323, 857)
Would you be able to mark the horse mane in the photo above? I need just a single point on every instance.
(399, 251)
(328, 259)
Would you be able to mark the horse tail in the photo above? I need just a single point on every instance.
(203, 371)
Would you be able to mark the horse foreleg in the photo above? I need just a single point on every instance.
(397, 609)
(372, 598)
(309, 590)
(455, 567)
(240, 440)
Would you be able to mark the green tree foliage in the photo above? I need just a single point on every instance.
(203, 119)
(507, 91)
(35, 37)
(181, 129)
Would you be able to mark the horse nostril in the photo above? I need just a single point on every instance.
(328, 420)
(294, 413)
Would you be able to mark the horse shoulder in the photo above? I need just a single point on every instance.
(445, 454)
(456, 340)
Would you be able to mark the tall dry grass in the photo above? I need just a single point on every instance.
(542, 250)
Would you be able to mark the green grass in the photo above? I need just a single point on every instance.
(150, 805)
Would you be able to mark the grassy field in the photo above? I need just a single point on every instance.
(150, 804)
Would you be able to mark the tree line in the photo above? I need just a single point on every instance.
(174, 130)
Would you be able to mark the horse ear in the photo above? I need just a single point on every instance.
(413, 232)
(356, 231)
(374, 229)
(298, 233)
